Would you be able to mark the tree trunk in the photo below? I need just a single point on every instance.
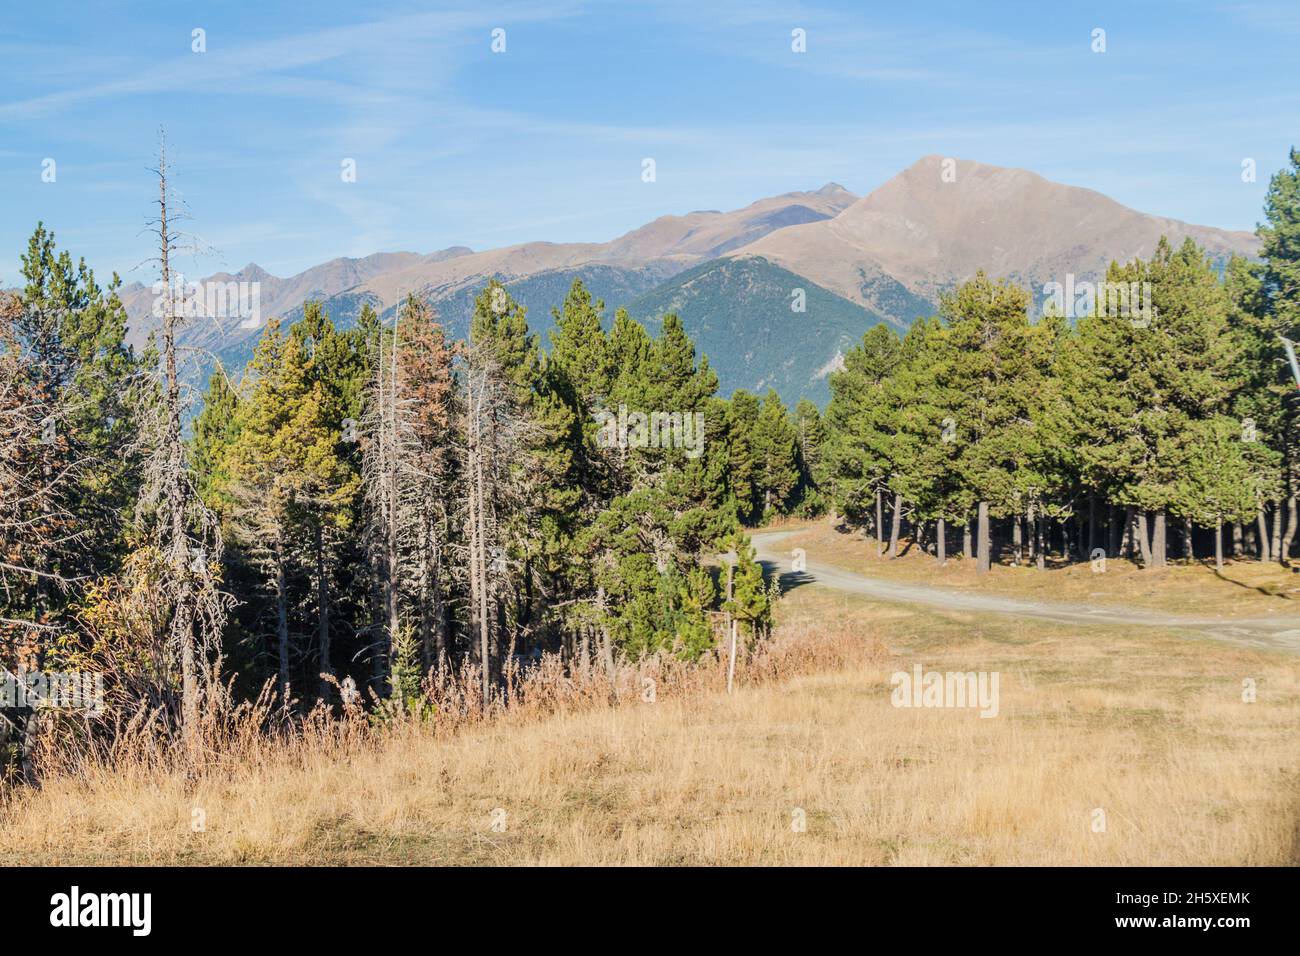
(895, 523)
(1284, 553)
(433, 614)
(1031, 542)
(607, 647)
(323, 611)
(484, 612)
(392, 552)
(880, 524)
(731, 574)
(982, 566)
(1262, 534)
(176, 547)
(1276, 550)
(1144, 542)
(1238, 546)
(1158, 540)
(1218, 544)
(1017, 539)
(476, 528)
(967, 548)
(29, 726)
(1189, 544)
(1040, 552)
(183, 627)
(731, 661)
(940, 543)
(606, 644)
(282, 620)
(1093, 536)
(392, 612)
(1132, 522)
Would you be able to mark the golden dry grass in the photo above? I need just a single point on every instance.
(1245, 588)
(1147, 726)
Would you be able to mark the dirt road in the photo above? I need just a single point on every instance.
(1282, 632)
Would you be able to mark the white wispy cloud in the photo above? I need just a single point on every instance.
(384, 46)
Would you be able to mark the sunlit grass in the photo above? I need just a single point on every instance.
(1145, 726)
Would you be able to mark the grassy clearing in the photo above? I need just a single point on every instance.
(1148, 727)
(1245, 588)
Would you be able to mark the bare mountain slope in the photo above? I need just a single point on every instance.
(929, 234)
(673, 242)
(889, 254)
(664, 247)
(709, 234)
(279, 296)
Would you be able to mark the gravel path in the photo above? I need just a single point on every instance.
(1282, 631)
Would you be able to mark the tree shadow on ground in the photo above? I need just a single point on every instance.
(788, 580)
(1263, 589)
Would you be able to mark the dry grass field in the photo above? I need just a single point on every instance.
(1147, 727)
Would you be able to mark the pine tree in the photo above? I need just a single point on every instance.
(1280, 245)
(776, 449)
(1137, 385)
(580, 351)
(810, 433)
(671, 504)
(925, 446)
(862, 424)
(36, 520)
(581, 372)
(1216, 486)
(1261, 383)
(327, 495)
(743, 465)
(518, 450)
(264, 465)
(74, 333)
(1272, 296)
(749, 603)
(215, 430)
(991, 371)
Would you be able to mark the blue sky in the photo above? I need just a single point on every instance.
(455, 144)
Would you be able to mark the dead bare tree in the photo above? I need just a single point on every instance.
(33, 521)
(427, 385)
(38, 469)
(186, 534)
(478, 516)
(386, 442)
(406, 460)
(494, 435)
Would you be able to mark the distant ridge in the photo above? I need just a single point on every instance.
(884, 257)
(928, 234)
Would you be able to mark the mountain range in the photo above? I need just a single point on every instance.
(738, 279)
